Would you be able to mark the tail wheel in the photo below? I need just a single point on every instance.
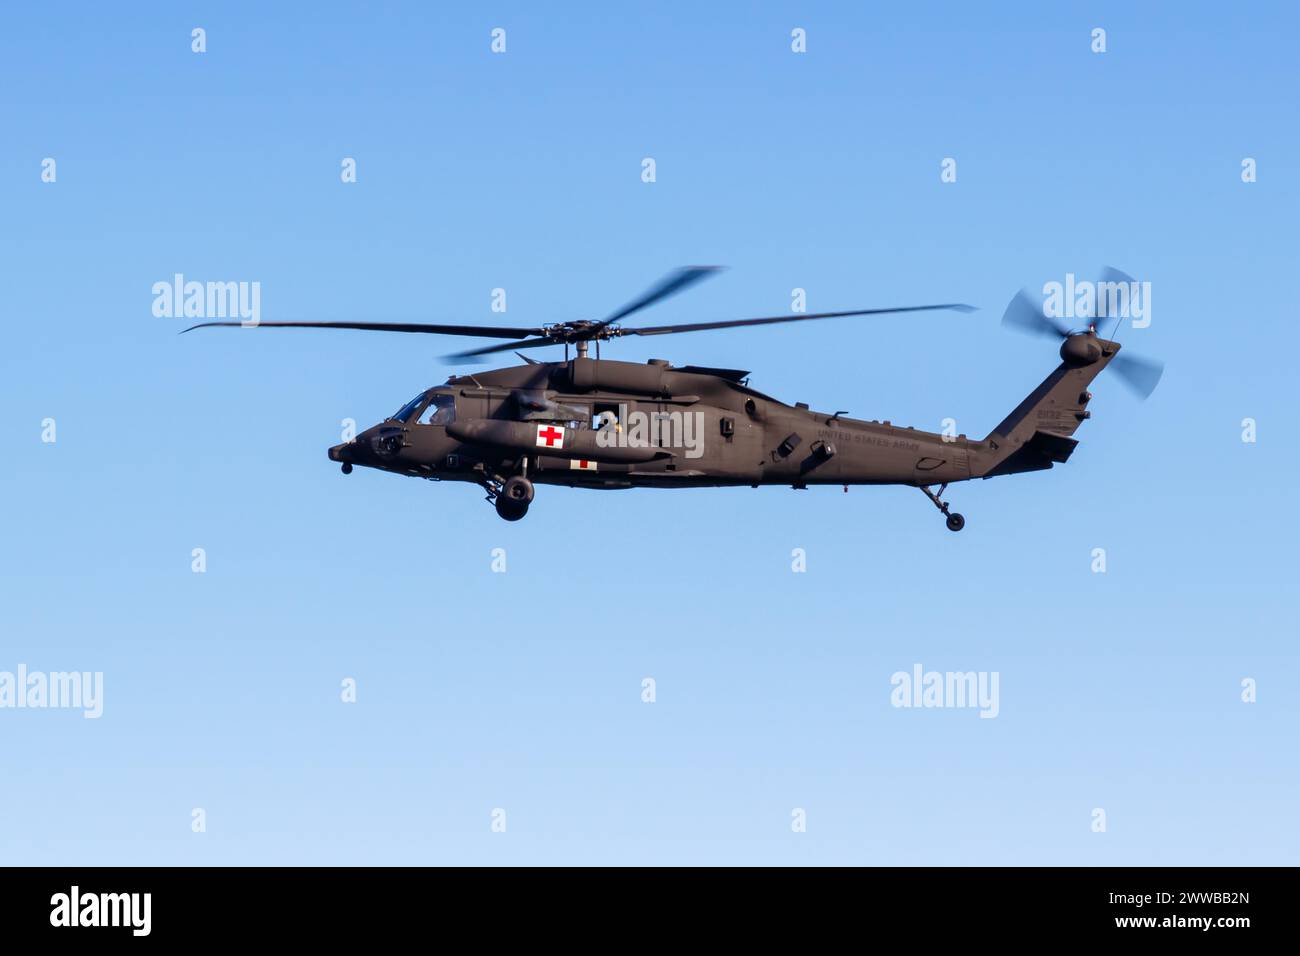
(956, 522)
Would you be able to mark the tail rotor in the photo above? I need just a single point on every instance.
(1028, 315)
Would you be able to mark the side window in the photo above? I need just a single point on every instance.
(441, 411)
(606, 415)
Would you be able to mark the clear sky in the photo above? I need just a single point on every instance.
(523, 691)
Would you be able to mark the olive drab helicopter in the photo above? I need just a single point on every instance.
(595, 423)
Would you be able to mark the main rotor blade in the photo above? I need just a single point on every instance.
(473, 354)
(669, 285)
(486, 331)
(723, 324)
(1026, 315)
(1140, 374)
(772, 320)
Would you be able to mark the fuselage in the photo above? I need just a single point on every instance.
(606, 424)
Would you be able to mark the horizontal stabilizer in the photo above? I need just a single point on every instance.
(1039, 453)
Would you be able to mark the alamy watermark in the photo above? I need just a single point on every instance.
(37, 690)
(76, 908)
(946, 689)
(208, 300)
(1116, 296)
(639, 429)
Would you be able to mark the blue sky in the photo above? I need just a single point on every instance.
(522, 690)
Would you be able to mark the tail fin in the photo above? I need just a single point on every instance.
(1037, 433)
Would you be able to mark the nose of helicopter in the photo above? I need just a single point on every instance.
(365, 448)
(349, 453)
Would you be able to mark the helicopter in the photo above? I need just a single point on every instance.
(588, 422)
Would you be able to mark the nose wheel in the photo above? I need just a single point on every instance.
(955, 521)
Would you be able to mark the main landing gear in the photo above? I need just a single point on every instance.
(955, 521)
(513, 497)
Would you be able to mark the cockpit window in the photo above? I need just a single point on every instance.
(441, 411)
(404, 413)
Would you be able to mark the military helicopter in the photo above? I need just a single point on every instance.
(595, 423)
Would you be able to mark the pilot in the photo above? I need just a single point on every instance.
(444, 411)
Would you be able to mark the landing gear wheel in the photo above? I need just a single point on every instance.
(518, 490)
(347, 468)
(509, 509)
(955, 521)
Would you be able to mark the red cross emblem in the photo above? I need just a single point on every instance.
(581, 464)
(548, 436)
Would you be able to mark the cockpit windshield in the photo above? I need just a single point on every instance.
(404, 413)
(441, 411)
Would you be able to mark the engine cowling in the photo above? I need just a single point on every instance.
(646, 379)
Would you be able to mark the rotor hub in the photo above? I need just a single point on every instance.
(1080, 349)
(580, 331)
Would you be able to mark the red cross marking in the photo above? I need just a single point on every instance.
(550, 434)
